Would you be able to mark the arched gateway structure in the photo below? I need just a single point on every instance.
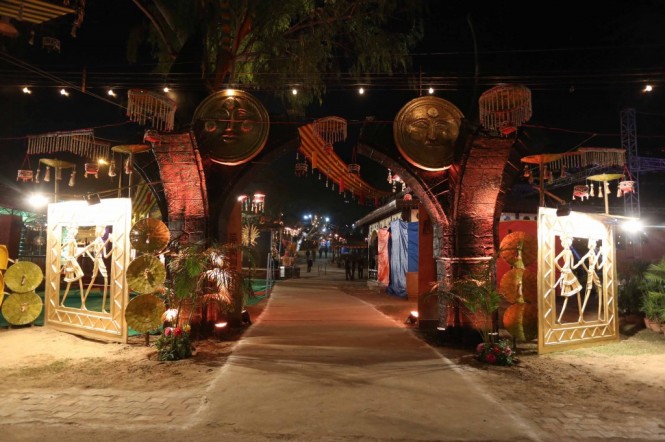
(462, 188)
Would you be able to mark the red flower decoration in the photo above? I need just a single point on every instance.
(177, 331)
(491, 358)
(167, 331)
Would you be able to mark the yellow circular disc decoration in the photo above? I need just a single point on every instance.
(2, 288)
(23, 276)
(4, 257)
(510, 289)
(149, 235)
(22, 308)
(144, 313)
(519, 249)
(521, 321)
(145, 274)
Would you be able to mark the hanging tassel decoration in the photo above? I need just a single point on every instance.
(128, 167)
(47, 174)
(112, 171)
(72, 179)
(593, 190)
(600, 191)
(39, 171)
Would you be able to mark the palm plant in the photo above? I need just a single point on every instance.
(200, 275)
(653, 300)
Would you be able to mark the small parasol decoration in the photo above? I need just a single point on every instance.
(23, 276)
(144, 313)
(145, 274)
(149, 235)
(22, 308)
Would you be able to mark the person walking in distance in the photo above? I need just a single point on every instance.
(360, 268)
(347, 267)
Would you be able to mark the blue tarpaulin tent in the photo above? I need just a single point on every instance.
(413, 246)
(399, 259)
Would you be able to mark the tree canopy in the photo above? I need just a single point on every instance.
(276, 47)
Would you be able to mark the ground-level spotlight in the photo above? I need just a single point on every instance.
(412, 318)
(245, 318)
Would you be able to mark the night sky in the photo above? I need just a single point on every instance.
(582, 65)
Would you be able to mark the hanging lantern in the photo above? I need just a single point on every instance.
(149, 107)
(330, 130)
(72, 178)
(505, 107)
(47, 174)
(258, 202)
(24, 175)
(354, 169)
(600, 190)
(626, 187)
(527, 172)
(112, 171)
(91, 169)
(301, 166)
(592, 193)
(244, 203)
(581, 192)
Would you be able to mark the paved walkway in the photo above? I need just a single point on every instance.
(318, 365)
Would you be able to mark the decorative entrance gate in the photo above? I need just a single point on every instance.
(577, 296)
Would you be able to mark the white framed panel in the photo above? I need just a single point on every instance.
(113, 214)
(577, 284)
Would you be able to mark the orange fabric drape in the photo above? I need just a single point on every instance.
(383, 265)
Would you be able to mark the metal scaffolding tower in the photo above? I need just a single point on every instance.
(629, 143)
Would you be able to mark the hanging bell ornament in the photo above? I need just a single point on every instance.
(112, 171)
(72, 179)
(593, 190)
(58, 174)
(600, 191)
(37, 175)
(128, 167)
(527, 172)
(47, 174)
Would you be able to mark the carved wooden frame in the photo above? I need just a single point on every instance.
(554, 336)
(109, 326)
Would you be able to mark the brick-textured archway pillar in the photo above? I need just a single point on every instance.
(477, 189)
(182, 176)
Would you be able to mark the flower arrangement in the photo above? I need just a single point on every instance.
(497, 353)
(174, 344)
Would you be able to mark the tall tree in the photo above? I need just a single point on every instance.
(278, 46)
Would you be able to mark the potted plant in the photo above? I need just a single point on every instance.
(653, 299)
(479, 299)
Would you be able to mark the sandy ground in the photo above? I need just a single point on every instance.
(615, 382)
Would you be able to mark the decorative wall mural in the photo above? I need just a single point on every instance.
(232, 126)
(426, 130)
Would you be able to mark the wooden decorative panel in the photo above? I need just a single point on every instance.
(577, 289)
(114, 217)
